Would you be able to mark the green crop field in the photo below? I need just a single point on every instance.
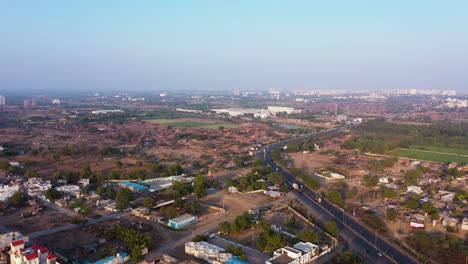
(197, 124)
(431, 156)
(458, 151)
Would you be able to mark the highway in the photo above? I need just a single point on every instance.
(358, 235)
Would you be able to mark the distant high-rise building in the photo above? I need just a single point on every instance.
(2, 100)
(30, 102)
(55, 101)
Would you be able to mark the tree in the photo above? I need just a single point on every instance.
(309, 236)
(53, 194)
(370, 181)
(174, 169)
(335, 197)
(30, 174)
(199, 185)
(276, 178)
(332, 228)
(391, 214)
(17, 198)
(411, 204)
(149, 202)
(224, 227)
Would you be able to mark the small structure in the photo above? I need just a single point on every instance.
(417, 221)
(464, 224)
(298, 254)
(445, 196)
(450, 222)
(414, 189)
(182, 221)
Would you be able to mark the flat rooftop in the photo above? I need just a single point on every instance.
(282, 259)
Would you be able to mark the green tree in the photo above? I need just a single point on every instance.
(335, 197)
(30, 174)
(276, 178)
(17, 198)
(332, 228)
(411, 204)
(53, 194)
(391, 214)
(199, 185)
(370, 181)
(149, 202)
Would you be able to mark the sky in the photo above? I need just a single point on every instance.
(226, 45)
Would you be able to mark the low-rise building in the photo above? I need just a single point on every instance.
(134, 187)
(70, 190)
(417, 221)
(414, 189)
(207, 252)
(182, 221)
(450, 222)
(34, 255)
(6, 191)
(300, 253)
(464, 224)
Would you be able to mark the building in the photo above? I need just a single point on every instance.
(414, 189)
(207, 252)
(98, 112)
(300, 253)
(55, 101)
(30, 102)
(134, 187)
(417, 221)
(6, 191)
(69, 190)
(182, 221)
(34, 255)
(464, 224)
(281, 109)
(7, 238)
(2, 100)
(450, 222)
(341, 118)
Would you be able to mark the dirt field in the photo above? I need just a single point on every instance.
(48, 218)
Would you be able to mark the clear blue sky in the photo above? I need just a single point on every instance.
(218, 44)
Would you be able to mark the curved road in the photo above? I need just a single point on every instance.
(352, 230)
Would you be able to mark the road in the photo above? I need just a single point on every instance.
(359, 236)
(73, 226)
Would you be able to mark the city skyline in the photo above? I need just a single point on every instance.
(260, 45)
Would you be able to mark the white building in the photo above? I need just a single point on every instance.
(2, 100)
(414, 189)
(300, 253)
(207, 252)
(34, 255)
(7, 238)
(464, 224)
(6, 191)
(71, 190)
(55, 101)
(281, 109)
(98, 112)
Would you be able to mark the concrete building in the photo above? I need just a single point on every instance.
(417, 221)
(414, 189)
(34, 255)
(29, 102)
(55, 101)
(182, 221)
(464, 224)
(2, 100)
(300, 253)
(70, 190)
(134, 187)
(7, 238)
(207, 252)
(6, 191)
(281, 109)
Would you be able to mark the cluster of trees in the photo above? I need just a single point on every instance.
(347, 257)
(236, 251)
(438, 246)
(309, 236)
(381, 137)
(241, 223)
(269, 240)
(307, 145)
(124, 197)
(17, 199)
(374, 222)
(332, 228)
(250, 181)
(135, 240)
(10, 149)
(308, 181)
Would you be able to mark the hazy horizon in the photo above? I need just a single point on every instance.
(246, 45)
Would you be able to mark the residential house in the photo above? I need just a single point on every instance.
(34, 255)
(298, 254)
(464, 224)
(414, 189)
(182, 221)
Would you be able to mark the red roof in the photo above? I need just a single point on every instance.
(17, 242)
(51, 256)
(44, 250)
(35, 246)
(31, 256)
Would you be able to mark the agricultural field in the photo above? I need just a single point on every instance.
(431, 156)
(457, 151)
(189, 123)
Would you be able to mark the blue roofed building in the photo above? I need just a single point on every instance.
(134, 187)
(236, 260)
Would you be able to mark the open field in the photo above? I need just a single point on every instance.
(431, 156)
(185, 123)
(457, 151)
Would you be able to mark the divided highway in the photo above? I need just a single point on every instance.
(351, 229)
